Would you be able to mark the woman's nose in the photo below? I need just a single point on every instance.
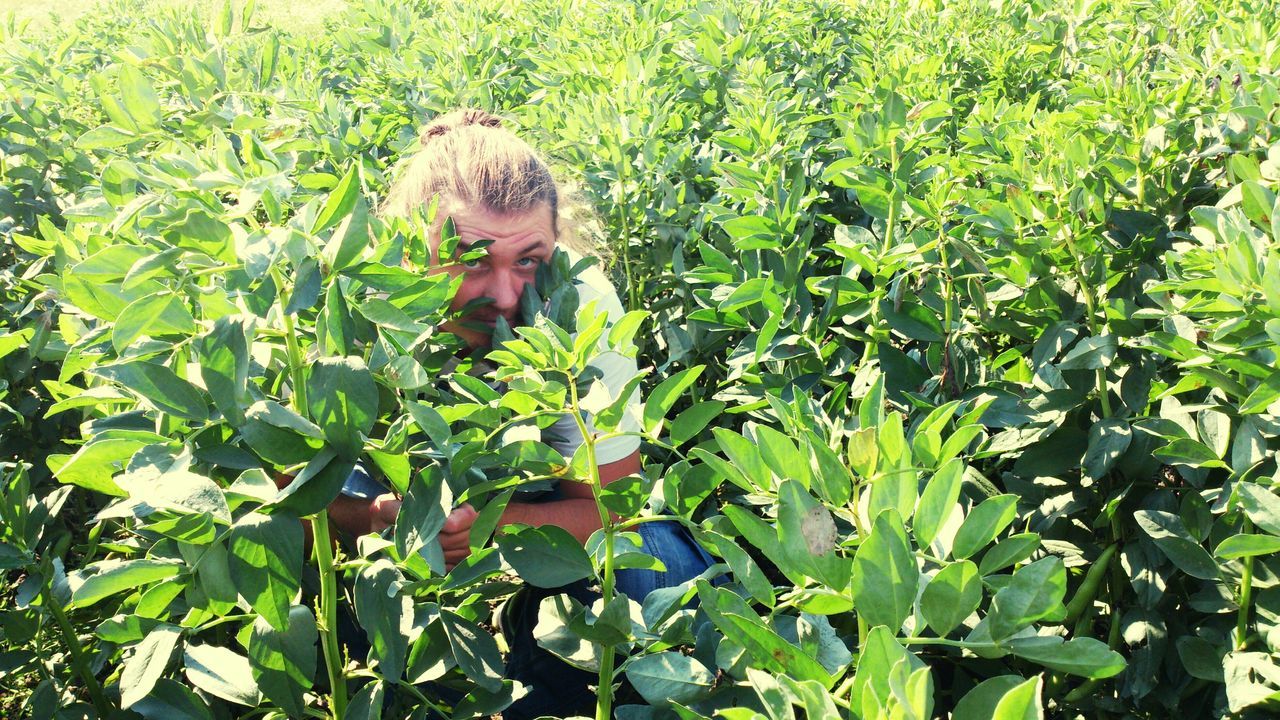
(505, 291)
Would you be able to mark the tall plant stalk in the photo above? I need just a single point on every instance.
(604, 692)
(76, 651)
(327, 614)
(322, 550)
(1246, 593)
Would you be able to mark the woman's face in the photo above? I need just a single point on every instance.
(521, 241)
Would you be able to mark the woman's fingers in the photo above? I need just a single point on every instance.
(460, 520)
(383, 511)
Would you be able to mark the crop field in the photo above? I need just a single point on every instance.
(958, 325)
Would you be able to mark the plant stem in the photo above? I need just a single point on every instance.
(327, 613)
(893, 197)
(1246, 593)
(76, 650)
(604, 692)
(1117, 583)
(299, 395)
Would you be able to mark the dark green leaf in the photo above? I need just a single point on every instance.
(951, 596)
(385, 614)
(343, 400)
(885, 575)
(983, 524)
(1083, 656)
(160, 386)
(283, 661)
(265, 559)
(546, 556)
(475, 650)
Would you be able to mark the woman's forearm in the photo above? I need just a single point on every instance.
(577, 515)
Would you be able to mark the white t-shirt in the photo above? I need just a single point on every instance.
(616, 371)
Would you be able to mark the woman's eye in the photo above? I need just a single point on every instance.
(471, 264)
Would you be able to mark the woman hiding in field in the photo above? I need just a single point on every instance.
(496, 188)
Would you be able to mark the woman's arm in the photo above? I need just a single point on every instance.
(575, 512)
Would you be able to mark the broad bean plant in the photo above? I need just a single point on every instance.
(958, 327)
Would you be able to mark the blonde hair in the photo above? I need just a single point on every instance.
(468, 157)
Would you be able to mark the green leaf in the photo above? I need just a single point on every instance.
(1090, 353)
(340, 203)
(316, 486)
(224, 364)
(1247, 545)
(283, 661)
(885, 575)
(94, 464)
(367, 703)
(163, 315)
(980, 702)
(423, 512)
(108, 577)
(1107, 442)
(693, 419)
(171, 700)
(1021, 702)
(1035, 592)
(983, 524)
(342, 399)
(1171, 536)
(951, 596)
(221, 672)
(475, 650)
(147, 664)
(662, 397)
(745, 569)
(265, 560)
(745, 457)
(768, 649)
(1082, 656)
(880, 654)
(139, 99)
(623, 332)
(1010, 551)
(350, 239)
(160, 386)
(1261, 505)
(912, 320)
(1193, 453)
(546, 556)
(385, 614)
(1266, 393)
(105, 137)
(937, 501)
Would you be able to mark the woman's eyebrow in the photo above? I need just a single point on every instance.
(527, 247)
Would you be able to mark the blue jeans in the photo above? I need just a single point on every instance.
(555, 687)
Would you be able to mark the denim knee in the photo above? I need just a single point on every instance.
(671, 543)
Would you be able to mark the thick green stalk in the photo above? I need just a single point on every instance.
(295, 351)
(604, 693)
(1246, 594)
(76, 651)
(893, 197)
(1116, 583)
(327, 613)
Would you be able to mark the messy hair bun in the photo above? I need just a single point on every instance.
(456, 119)
(469, 157)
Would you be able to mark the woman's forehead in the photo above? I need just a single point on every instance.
(525, 228)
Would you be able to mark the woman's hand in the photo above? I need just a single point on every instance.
(455, 537)
(383, 511)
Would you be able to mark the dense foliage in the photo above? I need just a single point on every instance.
(961, 320)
